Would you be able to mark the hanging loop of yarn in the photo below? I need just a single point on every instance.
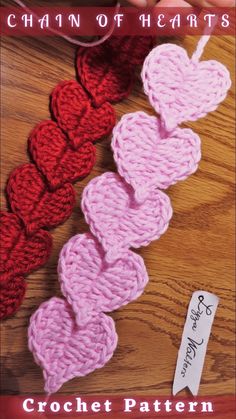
(40, 194)
(69, 38)
(200, 48)
(97, 271)
(203, 41)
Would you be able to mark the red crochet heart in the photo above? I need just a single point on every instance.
(20, 254)
(104, 79)
(55, 158)
(130, 50)
(11, 296)
(77, 117)
(34, 203)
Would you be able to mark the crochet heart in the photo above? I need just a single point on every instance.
(77, 117)
(92, 286)
(11, 296)
(129, 49)
(63, 349)
(34, 203)
(117, 220)
(20, 254)
(147, 156)
(104, 79)
(182, 89)
(55, 158)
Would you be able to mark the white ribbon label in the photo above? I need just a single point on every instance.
(192, 351)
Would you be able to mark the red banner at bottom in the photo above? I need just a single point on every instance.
(111, 407)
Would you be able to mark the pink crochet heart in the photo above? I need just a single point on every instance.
(182, 88)
(117, 220)
(147, 156)
(63, 349)
(91, 285)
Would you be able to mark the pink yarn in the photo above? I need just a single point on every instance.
(117, 220)
(65, 350)
(182, 89)
(98, 273)
(147, 156)
(101, 287)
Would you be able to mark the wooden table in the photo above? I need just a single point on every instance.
(197, 252)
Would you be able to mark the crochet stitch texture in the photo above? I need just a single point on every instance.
(40, 193)
(98, 272)
(102, 287)
(85, 349)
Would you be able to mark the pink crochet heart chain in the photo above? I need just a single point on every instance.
(98, 273)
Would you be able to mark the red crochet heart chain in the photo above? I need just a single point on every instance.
(40, 193)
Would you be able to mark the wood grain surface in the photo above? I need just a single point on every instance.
(197, 252)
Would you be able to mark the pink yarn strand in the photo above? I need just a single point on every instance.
(203, 42)
(69, 38)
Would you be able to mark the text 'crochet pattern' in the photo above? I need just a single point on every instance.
(40, 193)
(98, 272)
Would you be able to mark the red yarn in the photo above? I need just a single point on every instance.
(11, 296)
(32, 201)
(20, 254)
(104, 79)
(129, 50)
(40, 195)
(56, 159)
(76, 116)
(107, 71)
